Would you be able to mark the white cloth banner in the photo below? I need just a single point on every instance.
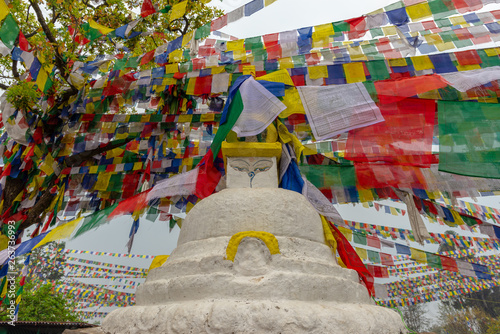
(465, 80)
(332, 110)
(179, 185)
(260, 108)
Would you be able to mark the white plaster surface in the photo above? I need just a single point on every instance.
(300, 290)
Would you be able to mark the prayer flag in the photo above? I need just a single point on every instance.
(468, 138)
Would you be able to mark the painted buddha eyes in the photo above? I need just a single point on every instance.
(259, 166)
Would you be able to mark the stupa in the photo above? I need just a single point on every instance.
(252, 258)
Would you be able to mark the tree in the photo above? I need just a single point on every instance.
(464, 321)
(43, 304)
(55, 37)
(46, 263)
(414, 316)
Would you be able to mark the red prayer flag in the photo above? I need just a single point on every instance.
(23, 42)
(396, 90)
(208, 176)
(405, 138)
(351, 259)
(148, 56)
(147, 8)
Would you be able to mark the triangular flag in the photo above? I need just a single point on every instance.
(147, 8)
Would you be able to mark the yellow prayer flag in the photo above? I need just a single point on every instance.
(102, 181)
(329, 238)
(389, 30)
(268, 2)
(187, 37)
(46, 165)
(4, 242)
(365, 195)
(354, 72)
(278, 76)
(285, 63)
(323, 30)
(102, 29)
(184, 118)
(137, 166)
(116, 152)
(318, 72)
(178, 10)
(362, 253)
(346, 232)
(444, 46)
(158, 261)
(248, 70)
(356, 53)
(207, 117)
(422, 63)
(175, 57)
(419, 11)
(218, 69)
(4, 10)
(397, 62)
(61, 232)
(172, 68)
(492, 52)
(468, 67)
(93, 169)
(235, 45)
(457, 20)
(190, 86)
(393, 211)
(418, 255)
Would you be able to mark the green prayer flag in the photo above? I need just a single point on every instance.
(374, 257)
(166, 9)
(441, 8)
(469, 138)
(202, 32)
(434, 260)
(95, 220)
(9, 31)
(234, 112)
(359, 238)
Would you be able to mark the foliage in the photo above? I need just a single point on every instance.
(46, 262)
(55, 31)
(485, 300)
(43, 304)
(23, 95)
(464, 321)
(414, 317)
(494, 327)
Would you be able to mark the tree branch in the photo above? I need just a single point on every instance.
(60, 63)
(4, 87)
(76, 160)
(35, 213)
(15, 73)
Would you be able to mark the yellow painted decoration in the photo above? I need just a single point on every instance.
(269, 239)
